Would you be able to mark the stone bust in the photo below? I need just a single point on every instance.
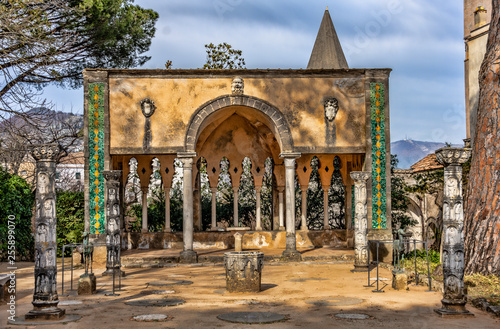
(331, 108)
(148, 107)
(237, 86)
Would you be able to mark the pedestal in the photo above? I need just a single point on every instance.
(243, 271)
(87, 284)
(399, 280)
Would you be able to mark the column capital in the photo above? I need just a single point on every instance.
(290, 155)
(453, 155)
(112, 175)
(360, 176)
(184, 155)
(47, 152)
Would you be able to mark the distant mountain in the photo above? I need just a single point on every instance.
(410, 151)
(42, 125)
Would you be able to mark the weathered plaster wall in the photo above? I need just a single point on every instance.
(299, 98)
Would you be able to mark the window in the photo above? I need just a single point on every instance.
(23, 173)
(78, 175)
(58, 174)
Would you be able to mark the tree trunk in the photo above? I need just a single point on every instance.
(482, 207)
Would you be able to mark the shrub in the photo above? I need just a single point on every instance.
(70, 219)
(16, 199)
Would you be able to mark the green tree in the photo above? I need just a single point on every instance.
(52, 41)
(70, 212)
(399, 199)
(223, 56)
(16, 201)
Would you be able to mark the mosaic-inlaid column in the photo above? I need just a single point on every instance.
(454, 299)
(96, 157)
(379, 155)
(45, 298)
(360, 220)
(188, 255)
(113, 220)
(291, 240)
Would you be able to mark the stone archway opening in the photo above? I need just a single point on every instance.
(244, 137)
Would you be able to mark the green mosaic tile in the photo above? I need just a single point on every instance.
(379, 201)
(96, 157)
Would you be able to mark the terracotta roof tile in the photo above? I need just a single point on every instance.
(429, 162)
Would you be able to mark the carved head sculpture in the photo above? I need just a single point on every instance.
(331, 108)
(148, 107)
(237, 85)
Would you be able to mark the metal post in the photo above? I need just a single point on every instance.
(415, 254)
(62, 280)
(71, 246)
(428, 271)
(369, 269)
(378, 290)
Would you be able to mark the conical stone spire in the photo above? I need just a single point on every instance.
(327, 52)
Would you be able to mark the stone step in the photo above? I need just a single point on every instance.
(132, 261)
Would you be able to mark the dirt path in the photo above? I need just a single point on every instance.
(301, 291)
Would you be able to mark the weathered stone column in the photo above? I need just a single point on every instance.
(214, 208)
(361, 261)
(453, 303)
(291, 252)
(45, 298)
(144, 209)
(303, 215)
(235, 206)
(326, 222)
(258, 217)
(188, 255)
(168, 227)
(113, 219)
(281, 210)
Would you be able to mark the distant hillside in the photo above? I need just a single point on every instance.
(410, 151)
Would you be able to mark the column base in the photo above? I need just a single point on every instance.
(144, 230)
(258, 228)
(453, 308)
(360, 268)
(281, 228)
(188, 257)
(167, 230)
(109, 272)
(291, 256)
(50, 313)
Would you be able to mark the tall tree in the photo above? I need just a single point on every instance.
(482, 207)
(223, 56)
(52, 41)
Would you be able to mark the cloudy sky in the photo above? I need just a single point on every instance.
(421, 40)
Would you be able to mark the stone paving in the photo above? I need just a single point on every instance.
(287, 290)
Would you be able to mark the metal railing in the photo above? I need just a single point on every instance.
(405, 242)
(76, 245)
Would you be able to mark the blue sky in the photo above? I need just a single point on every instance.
(421, 40)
